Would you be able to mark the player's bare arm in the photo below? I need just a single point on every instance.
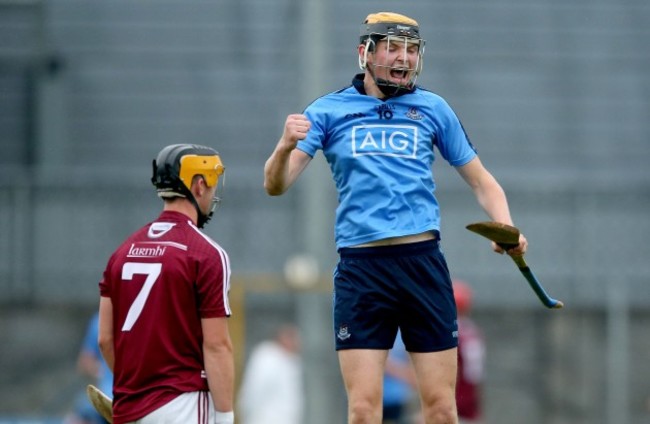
(105, 338)
(492, 198)
(285, 164)
(219, 365)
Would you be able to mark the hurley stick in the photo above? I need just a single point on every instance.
(102, 403)
(507, 237)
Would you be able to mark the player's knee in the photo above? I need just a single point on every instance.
(440, 409)
(363, 411)
(441, 413)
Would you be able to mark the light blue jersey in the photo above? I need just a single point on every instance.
(381, 154)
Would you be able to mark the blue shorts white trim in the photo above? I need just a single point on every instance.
(380, 289)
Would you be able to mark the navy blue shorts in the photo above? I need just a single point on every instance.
(380, 289)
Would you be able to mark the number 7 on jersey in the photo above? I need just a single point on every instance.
(152, 271)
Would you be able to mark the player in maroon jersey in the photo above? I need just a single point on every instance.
(471, 354)
(164, 303)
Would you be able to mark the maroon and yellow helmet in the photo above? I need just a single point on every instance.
(176, 166)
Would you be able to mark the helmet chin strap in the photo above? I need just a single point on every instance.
(201, 218)
(388, 88)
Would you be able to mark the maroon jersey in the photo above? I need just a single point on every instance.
(471, 354)
(162, 280)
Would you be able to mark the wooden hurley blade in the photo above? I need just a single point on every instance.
(102, 403)
(507, 237)
(499, 233)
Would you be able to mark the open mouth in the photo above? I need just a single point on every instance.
(399, 73)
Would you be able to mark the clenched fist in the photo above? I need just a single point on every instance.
(295, 129)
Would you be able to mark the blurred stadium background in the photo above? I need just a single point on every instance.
(554, 94)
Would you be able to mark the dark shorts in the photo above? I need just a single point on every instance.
(380, 289)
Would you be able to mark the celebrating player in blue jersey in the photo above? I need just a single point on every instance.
(378, 136)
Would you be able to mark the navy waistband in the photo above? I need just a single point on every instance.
(408, 249)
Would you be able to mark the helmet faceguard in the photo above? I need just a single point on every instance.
(177, 165)
(399, 32)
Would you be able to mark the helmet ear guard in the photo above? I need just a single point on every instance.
(210, 167)
(175, 168)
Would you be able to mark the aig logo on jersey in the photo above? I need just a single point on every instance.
(386, 140)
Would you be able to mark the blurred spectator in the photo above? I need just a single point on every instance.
(471, 358)
(399, 384)
(91, 366)
(272, 389)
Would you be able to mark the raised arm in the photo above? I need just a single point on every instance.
(491, 197)
(285, 164)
